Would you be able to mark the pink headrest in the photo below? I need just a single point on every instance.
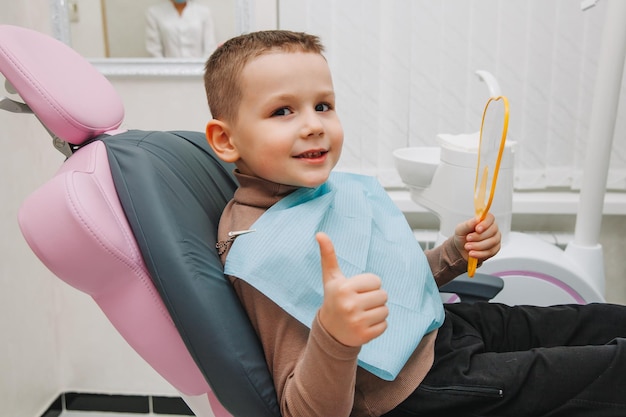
(70, 96)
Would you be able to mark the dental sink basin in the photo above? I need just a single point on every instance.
(417, 165)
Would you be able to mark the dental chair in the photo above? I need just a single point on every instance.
(131, 218)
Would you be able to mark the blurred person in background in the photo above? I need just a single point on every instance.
(180, 29)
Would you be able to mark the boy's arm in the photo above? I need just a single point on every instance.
(446, 262)
(479, 239)
(323, 380)
(314, 375)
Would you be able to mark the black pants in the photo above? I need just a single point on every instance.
(496, 360)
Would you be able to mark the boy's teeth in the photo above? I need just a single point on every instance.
(311, 155)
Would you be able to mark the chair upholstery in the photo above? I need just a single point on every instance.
(173, 190)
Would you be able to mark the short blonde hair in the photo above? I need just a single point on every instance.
(223, 68)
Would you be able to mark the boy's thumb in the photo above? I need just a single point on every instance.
(330, 266)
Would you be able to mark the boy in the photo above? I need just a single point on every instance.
(273, 106)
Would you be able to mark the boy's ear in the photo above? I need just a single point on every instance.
(218, 136)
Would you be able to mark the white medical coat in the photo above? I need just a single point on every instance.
(170, 35)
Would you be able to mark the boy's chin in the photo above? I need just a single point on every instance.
(310, 182)
(314, 181)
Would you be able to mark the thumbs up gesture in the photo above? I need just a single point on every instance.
(354, 310)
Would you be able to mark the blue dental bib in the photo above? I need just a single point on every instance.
(370, 234)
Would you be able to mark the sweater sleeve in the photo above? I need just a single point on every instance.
(324, 363)
(303, 363)
(446, 262)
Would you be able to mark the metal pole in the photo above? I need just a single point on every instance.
(602, 125)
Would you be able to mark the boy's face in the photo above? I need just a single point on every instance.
(287, 130)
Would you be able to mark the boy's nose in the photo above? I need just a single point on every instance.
(312, 125)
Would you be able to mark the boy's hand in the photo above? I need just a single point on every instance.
(480, 240)
(354, 310)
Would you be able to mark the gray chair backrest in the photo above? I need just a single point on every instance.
(173, 190)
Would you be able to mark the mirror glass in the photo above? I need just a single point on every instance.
(112, 33)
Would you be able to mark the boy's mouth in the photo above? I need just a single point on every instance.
(312, 154)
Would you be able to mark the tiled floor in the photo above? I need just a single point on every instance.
(73, 404)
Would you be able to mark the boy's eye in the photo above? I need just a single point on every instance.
(283, 111)
(322, 107)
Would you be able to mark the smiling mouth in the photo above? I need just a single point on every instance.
(312, 154)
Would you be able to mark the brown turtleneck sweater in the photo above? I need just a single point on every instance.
(314, 374)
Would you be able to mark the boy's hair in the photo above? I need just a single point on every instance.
(223, 68)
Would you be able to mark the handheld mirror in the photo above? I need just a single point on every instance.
(493, 130)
